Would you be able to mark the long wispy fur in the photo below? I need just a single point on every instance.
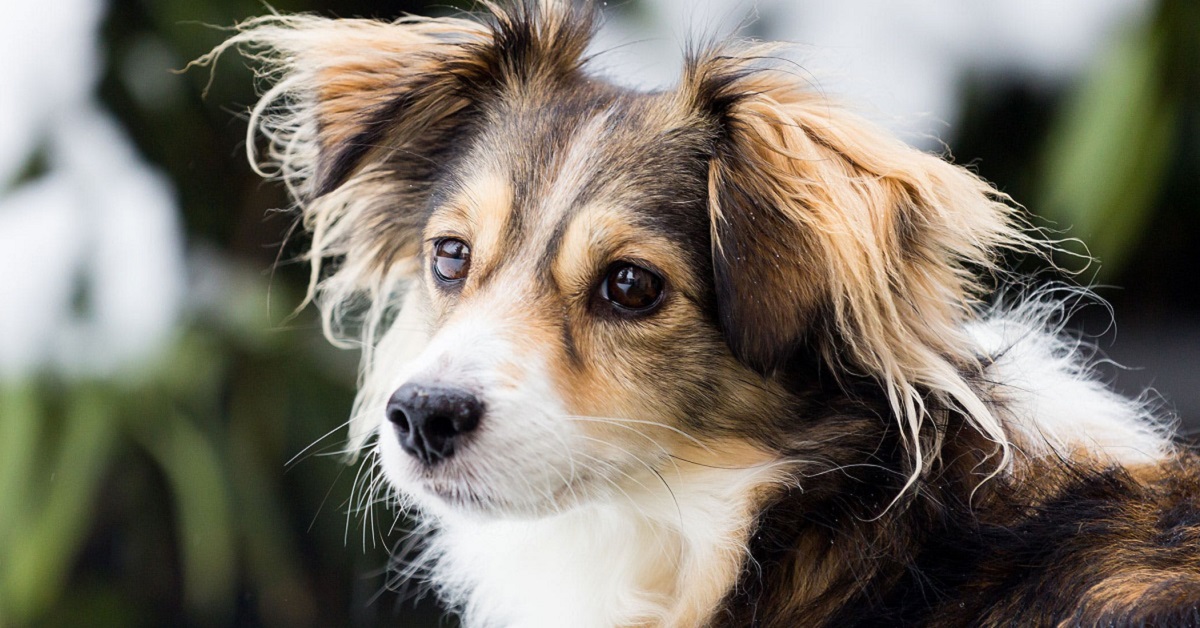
(326, 82)
(895, 242)
(908, 279)
(848, 435)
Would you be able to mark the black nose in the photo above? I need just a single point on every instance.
(430, 419)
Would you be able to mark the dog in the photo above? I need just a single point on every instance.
(713, 355)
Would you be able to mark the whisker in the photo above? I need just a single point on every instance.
(570, 483)
(634, 430)
(354, 490)
(604, 476)
(670, 491)
(678, 509)
(287, 464)
(618, 421)
(328, 492)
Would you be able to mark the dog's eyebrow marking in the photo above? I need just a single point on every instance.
(554, 242)
(483, 207)
(599, 232)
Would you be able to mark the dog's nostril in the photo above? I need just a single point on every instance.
(399, 418)
(439, 433)
(430, 420)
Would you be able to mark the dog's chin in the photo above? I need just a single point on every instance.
(456, 488)
(460, 498)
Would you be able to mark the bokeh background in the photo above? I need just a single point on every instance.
(169, 433)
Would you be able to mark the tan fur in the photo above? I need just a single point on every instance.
(893, 238)
(819, 334)
(481, 215)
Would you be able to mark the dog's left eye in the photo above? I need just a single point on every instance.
(632, 288)
(451, 260)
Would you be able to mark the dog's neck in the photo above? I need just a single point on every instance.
(664, 553)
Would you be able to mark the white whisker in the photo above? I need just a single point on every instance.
(619, 422)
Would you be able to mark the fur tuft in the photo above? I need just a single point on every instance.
(886, 244)
(1045, 392)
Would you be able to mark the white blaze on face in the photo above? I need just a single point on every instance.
(520, 456)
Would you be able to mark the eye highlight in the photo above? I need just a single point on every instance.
(631, 288)
(451, 260)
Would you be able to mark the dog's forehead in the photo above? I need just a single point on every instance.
(542, 166)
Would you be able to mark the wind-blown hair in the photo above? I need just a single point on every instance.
(885, 246)
(354, 116)
(827, 230)
(801, 410)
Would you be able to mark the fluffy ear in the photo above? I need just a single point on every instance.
(347, 92)
(342, 91)
(830, 232)
(361, 117)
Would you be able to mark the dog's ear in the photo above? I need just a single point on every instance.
(344, 91)
(831, 232)
(360, 118)
(367, 89)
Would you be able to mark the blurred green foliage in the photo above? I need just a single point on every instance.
(163, 495)
(1108, 155)
(166, 497)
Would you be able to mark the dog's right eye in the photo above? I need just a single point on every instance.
(633, 289)
(451, 260)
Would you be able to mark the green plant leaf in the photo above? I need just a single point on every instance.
(1109, 151)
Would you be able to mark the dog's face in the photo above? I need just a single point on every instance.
(567, 285)
(602, 282)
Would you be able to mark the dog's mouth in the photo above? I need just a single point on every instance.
(459, 495)
(468, 497)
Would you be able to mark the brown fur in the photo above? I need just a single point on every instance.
(820, 276)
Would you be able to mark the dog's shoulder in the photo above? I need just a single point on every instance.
(1064, 544)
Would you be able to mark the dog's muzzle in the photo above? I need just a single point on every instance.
(430, 421)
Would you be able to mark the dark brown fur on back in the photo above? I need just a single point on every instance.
(1064, 544)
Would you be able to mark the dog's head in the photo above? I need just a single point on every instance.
(596, 281)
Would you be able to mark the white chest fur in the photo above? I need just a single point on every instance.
(655, 558)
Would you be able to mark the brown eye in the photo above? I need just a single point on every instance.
(632, 288)
(451, 260)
